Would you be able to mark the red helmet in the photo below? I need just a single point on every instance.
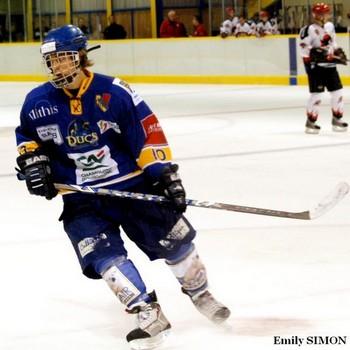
(321, 8)
(229, 9)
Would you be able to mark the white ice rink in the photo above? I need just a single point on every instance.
(237, 144)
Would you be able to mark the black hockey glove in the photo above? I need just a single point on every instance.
(172, 186)
(318, 55)
(339, 56)
(35, 169)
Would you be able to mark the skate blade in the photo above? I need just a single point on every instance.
(340, 128)
(149, 343)
(312, 131)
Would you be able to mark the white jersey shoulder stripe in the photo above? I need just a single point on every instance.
(126, 87)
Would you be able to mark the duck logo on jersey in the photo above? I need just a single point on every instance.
(94, 165)
(79, 134)
(105, 125)
(103, 101)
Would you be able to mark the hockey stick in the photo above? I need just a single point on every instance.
(324, 206)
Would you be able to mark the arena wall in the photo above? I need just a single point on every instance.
(271, 60)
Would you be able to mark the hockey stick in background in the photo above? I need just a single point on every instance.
(322, 207)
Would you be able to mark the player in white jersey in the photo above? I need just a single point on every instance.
(320, 54)
(228, 26)
(243, 28)
(264, 26)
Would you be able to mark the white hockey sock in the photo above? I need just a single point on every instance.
(313, 106)
(190, 272)
(337, 103)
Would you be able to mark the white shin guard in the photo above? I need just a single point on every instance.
(337, 102)
(313, 106)
(191, 273)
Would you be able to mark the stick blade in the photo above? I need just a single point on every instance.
(330, 201)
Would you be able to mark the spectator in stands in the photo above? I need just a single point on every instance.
(114, 30)
(198, 26)
(228, 26)
(2, 34)
(82, 26)
(40, 33)
(242, 28)
(172, 27)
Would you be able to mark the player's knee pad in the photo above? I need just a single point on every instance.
(125, 281)
(190, 272)
(337, 102)
(313, 105)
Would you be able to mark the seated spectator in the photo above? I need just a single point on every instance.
(264, 26)
(243, 28)
(40, 33)
(82, 26)
(228, 27)
(198, 26)
(114, 30)
(172, 27)
(2, 34)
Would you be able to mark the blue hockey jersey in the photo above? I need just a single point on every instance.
(105, 135)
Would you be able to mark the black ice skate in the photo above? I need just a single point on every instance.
(153, 327)
(210, 307)
(311, 127)
(339, 125)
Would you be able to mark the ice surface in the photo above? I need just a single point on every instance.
(236, 144)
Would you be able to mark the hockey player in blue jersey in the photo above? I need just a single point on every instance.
(90, 129)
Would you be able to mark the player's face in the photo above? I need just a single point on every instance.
(60, 63)
(322, 18)
(62, 67)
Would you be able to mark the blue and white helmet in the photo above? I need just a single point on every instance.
(60, 51)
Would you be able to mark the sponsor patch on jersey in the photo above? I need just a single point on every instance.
(50, 132)
(135, 97)
(153, 131)
(88, 244)
(80, 134)
(105, 125)
(42, 109)
(76, 107)
(94, 165)
(179, 230)
(103, 101)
